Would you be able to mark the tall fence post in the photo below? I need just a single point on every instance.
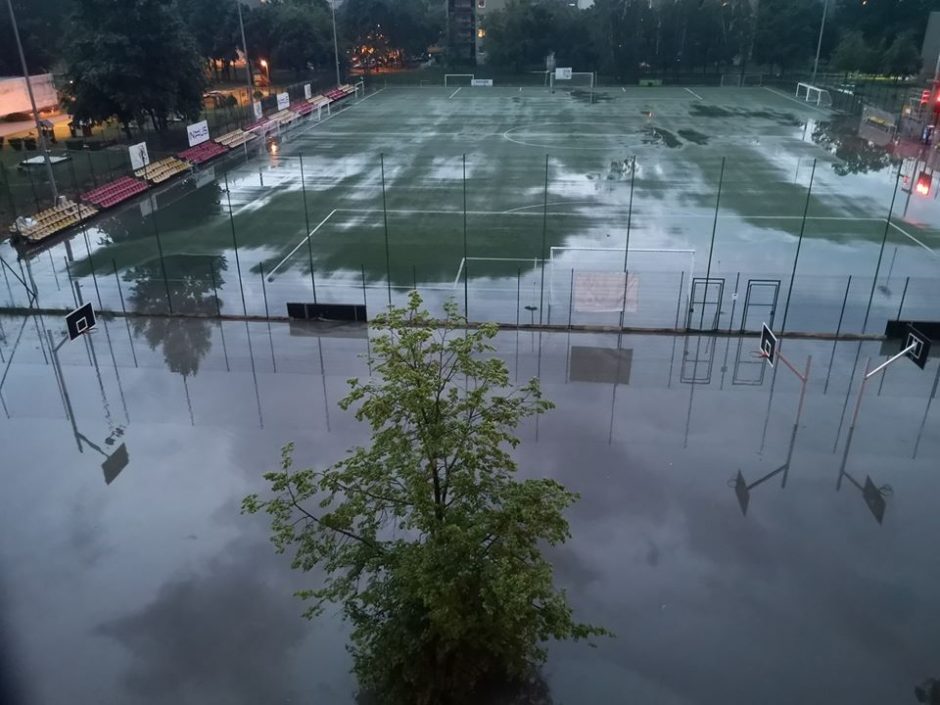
(303, 187)
(711, 247)
(466, 263)
(388, 264)
(881, 251)
(238, 266)
(264, 293)
(799, 245)
(542, 249)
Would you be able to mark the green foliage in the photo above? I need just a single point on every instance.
(852, 53)
(427, 539)
(784, 34)
(137, 61)
(902, 57)
(410, 25)
(40, 26)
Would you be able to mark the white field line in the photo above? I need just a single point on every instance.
(788, 97)
(454, 93)
(297, 247)
(695, 94)
(908, 235)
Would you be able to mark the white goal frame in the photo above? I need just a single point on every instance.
(457, 75)
(811, 90)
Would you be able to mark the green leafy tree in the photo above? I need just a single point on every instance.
(303, 36)
(786, 32)
(853, 53)
(134, 61)
(214, 27)
(429, 542)
(902, 57)
(40, 26)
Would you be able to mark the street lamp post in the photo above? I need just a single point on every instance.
(32, 102)
(267, 70)
(241, 24)
(335, 43)
(822, 27)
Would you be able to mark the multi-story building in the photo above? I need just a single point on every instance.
(461, 29)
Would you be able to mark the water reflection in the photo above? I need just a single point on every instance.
(190, 287)
(856, 154)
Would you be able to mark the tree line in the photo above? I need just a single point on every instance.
(627, 38)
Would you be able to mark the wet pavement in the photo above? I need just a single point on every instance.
(134, 579)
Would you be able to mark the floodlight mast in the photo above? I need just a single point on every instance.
(32, 102)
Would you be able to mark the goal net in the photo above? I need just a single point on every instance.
(457, 79)
(813, 94)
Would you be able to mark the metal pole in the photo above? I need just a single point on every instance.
(711, 248)
(881, 252)
(388, 267)
(32, 102)
(466, 264)
(248, 80)
(822, 27)
(303, 187)
(799, 245)
(542, 250)
(335, 43)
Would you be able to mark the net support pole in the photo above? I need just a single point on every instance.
(711, 247)
(303, 188)
(881, 251)
(388, 266)
(799, 245)
(626, 250)
(466, 274)
(542, 250)
(238, 265)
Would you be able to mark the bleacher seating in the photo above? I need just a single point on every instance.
(158, 172)
(114, 192)
(318, 102)
(235, 138)
(52, 220)
(202, 153)
(261, 127)
(302, 107)
(284, 117)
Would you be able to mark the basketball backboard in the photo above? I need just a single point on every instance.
(921, 345)
(80, 321)
(768, 344)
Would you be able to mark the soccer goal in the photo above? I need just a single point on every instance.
(458, 79)
(813, 94)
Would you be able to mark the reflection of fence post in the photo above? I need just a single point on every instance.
(303, 188)
(799, 245)
(542, 249)
(881, 252)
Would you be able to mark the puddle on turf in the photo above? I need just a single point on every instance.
(694, 136)
(856, 154)
(664, 137)
(585, 96)
(716, 111)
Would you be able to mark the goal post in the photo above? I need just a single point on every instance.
(458, 79)
(813, 94)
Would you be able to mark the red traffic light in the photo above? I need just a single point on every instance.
(924, 182)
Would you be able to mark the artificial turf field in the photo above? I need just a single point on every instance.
(488, 184)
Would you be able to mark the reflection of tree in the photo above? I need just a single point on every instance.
(533, 690)
(185, 341)
(857, 155)
(928, 692)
